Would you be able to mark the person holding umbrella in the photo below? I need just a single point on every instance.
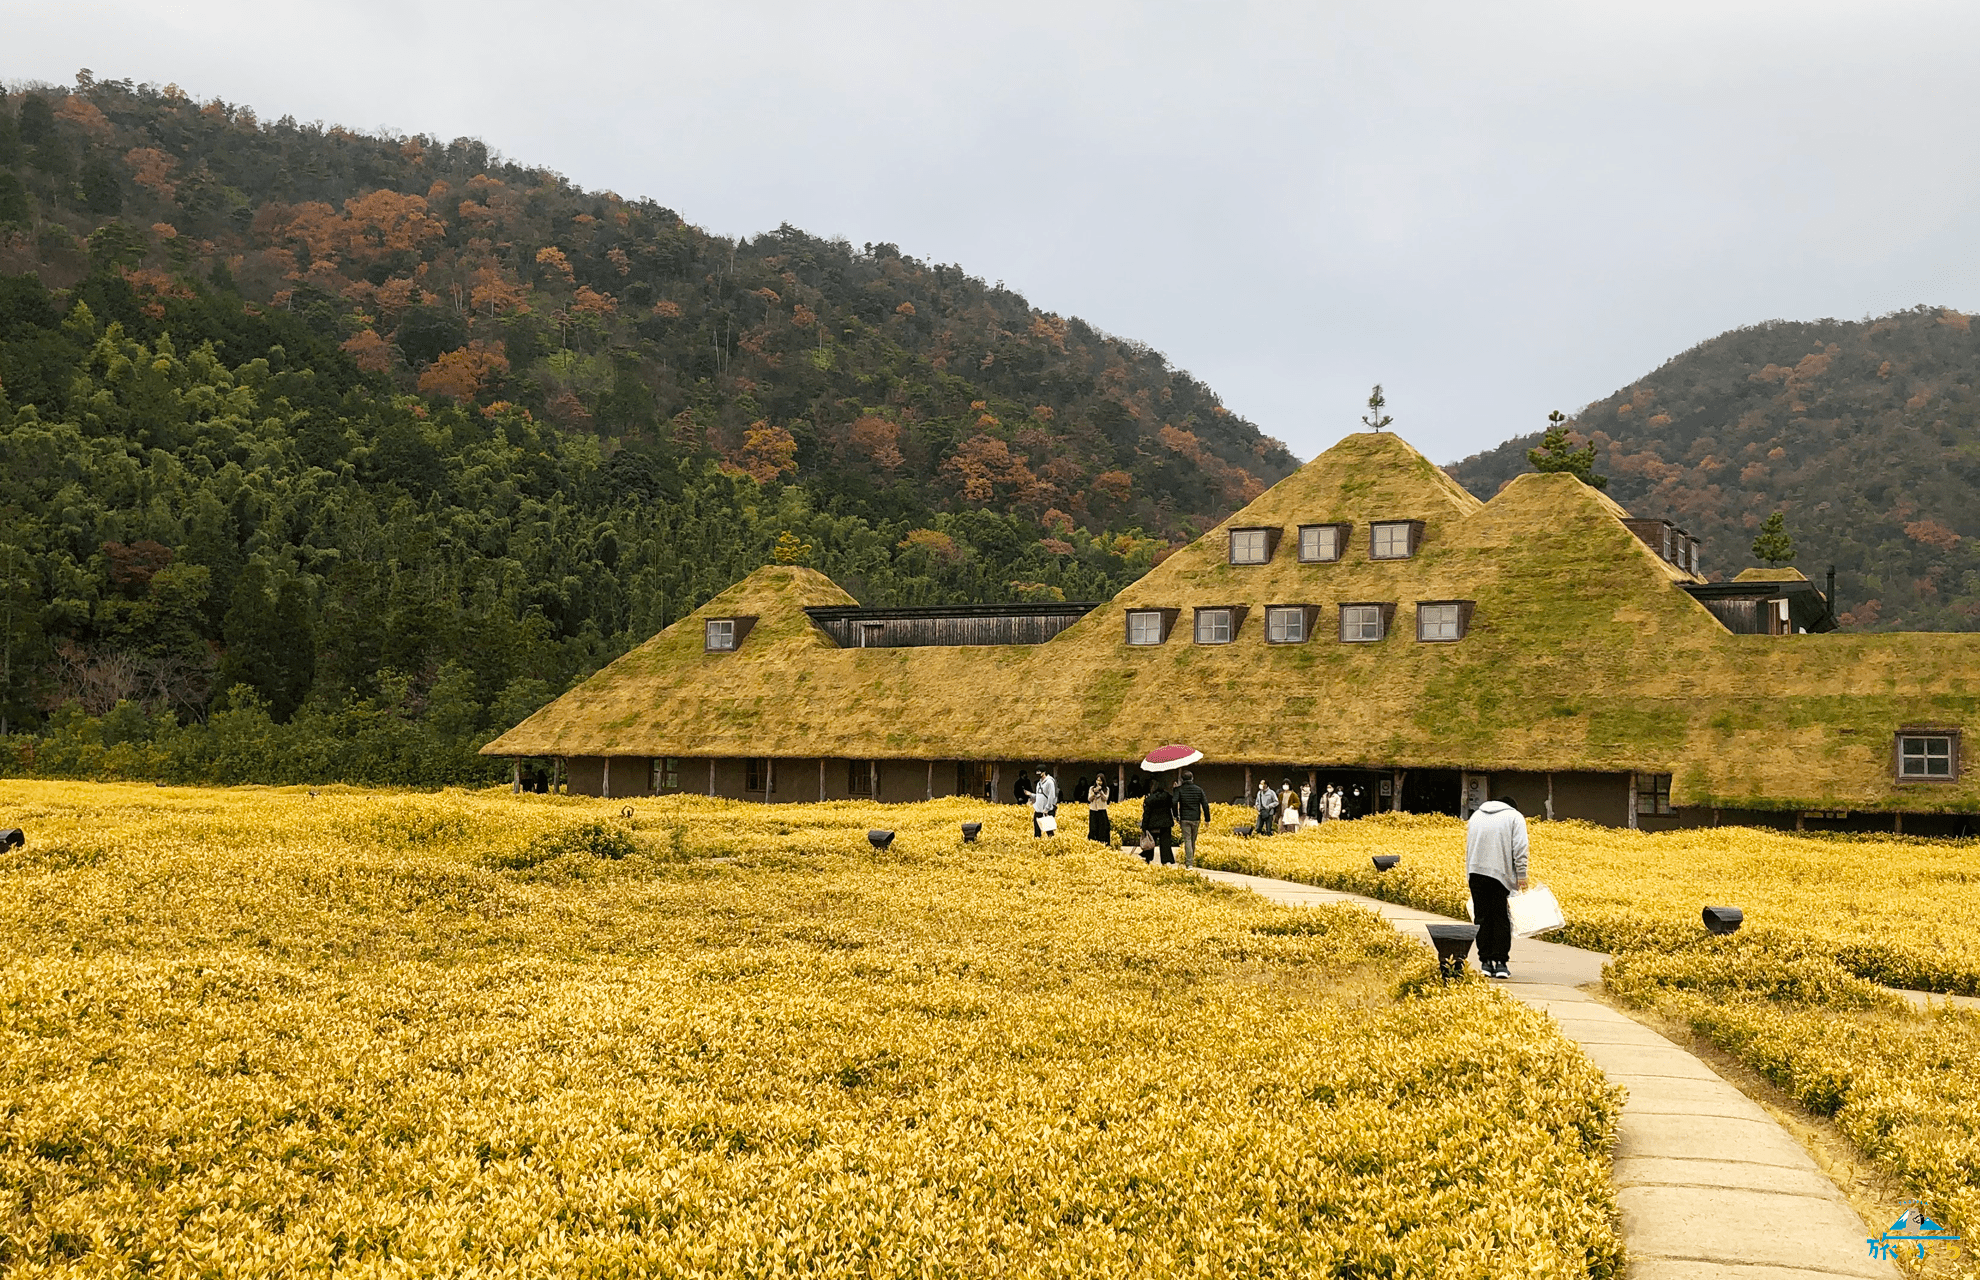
(1162, 806)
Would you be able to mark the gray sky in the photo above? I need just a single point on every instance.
(1493, 209)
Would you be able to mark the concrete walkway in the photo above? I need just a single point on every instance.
(1709, 1186)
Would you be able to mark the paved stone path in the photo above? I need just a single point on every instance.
(1709, 1186)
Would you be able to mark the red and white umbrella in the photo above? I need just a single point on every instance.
(1173, 756)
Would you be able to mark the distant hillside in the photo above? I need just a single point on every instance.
(1866, 433)
(883, 381)
(392, 425)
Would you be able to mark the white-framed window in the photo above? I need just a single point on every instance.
(1251, 546)
(1653, 793)
(1213, 626)
(1144, 626)
(1361, 623)
(666, 773)
(1439, 621)
(1927, 757)
(721, 634)
(1285, 624)
(1319, 543)
(1391, 540)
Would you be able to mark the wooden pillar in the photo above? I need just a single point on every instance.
(1249, 790)
(1120, 782)
(996, 783)
(821, 779)
(1550, 802)
(1395, 805)
(873, 779)
(769, 778)
(515, 777)
(931, 779)
(1897, 824)
(1800, 820)
(605, 785)
(1632, 804)
(711, 775)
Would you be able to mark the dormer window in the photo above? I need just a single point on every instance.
(1394, 539)
(1290, 623)
(1219, 626)
(724, 635)
(1253, 546)
(1322, 543)
(1365, 623)
(1442, 620)
(1928, 755)
(1149, 626)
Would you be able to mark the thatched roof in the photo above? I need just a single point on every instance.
(1581, 654)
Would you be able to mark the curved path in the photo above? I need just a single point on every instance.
(1709, 1186)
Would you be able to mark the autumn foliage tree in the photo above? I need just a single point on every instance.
(463, 373)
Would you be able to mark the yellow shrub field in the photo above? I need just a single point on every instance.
(254, 1032)
(1903, 911)
(1796, 994)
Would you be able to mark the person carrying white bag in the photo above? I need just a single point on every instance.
(1495, 864)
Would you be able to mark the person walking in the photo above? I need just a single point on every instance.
(1044, 802)
(1021, 789)
(1495, 864)
(1333, 810)
(1288, 809)
(1267, 804)
(1158, 818)
(1098, 828)
(1306, 813)
(1192, 811)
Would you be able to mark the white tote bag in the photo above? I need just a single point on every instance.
(1047, 824)
(1534, 911)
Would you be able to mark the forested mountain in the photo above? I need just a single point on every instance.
(389, 426)
(1865, 433)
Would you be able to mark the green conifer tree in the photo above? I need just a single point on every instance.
(1557, 453)
(1375, 419)
(1773, 546)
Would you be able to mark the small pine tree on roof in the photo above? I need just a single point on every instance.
(1557, 453)
(1773, 545)
(1375, 419)
(789, 550)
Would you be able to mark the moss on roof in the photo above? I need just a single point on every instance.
(1784, 574)
(1581, 655)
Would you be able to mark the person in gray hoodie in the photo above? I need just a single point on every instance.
(1044, 800)
(1495, 863)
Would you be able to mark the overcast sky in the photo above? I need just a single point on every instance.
(1493, 209)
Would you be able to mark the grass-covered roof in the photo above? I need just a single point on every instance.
(1581, 654)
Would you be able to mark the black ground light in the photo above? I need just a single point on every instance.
(1453, 943)
(880, 839)
(970, 831)
(1383, 861)
(12, 838)
(1243, 832)
(1723, 920)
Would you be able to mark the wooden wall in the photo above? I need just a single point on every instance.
(899, 633)
(1594, 797)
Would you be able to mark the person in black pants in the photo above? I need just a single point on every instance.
(1495, 865)
(1158, 818)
